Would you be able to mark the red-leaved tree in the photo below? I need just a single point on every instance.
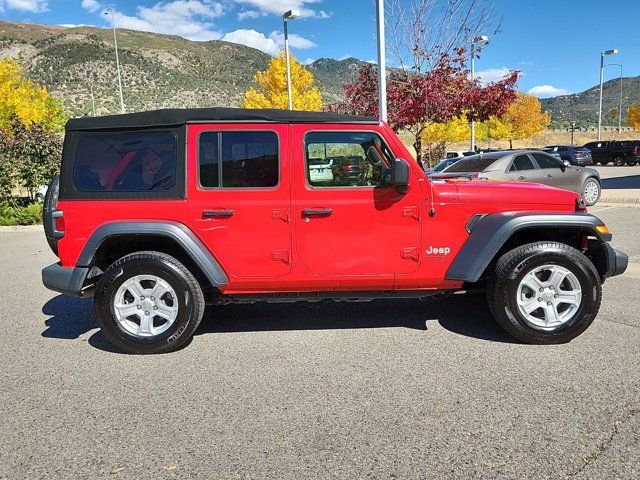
(415, 100)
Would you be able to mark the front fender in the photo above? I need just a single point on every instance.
(491, 233)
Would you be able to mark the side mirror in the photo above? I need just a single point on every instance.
(565, 164)
(400, 173)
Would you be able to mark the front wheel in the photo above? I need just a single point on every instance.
(544, 293)
(591, 191)
(148, 302)
(618, 161)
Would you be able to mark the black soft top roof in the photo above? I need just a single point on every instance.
(180, 116)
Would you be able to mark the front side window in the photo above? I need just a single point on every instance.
(238, 159)
(346, 159)
(545, 161)
(125, 162)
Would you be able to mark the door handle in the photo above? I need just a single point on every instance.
(217, 213)
(548, 176)
(521, 178)
(316, 212)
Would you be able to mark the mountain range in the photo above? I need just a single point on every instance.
(77, 65)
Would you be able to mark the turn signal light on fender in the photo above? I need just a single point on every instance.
(603, 229)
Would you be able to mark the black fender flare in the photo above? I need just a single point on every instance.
(492, 231)
(178, 232)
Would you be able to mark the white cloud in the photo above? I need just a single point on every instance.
(75, 25)
(546, 91)
(248, 14)
(90, 5)
(309, 61)
(278, 7)
(34, 6)
(271, 44)
(187, 18)
(492, 74)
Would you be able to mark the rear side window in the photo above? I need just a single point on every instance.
(125, 162)
(238, 159)
(522, 162)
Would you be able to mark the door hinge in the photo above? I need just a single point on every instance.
(410, 253)
(412, 211)
(281, 214)
(281, 256)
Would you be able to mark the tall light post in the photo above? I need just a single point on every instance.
(382, 63)
(109, 11)
(290, 15)
(476, 41)
(602, 54)
(620, 101)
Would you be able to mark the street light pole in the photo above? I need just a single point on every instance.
(602, 54)
(382, 62)
(290, 15)
(476, 41)
(109, 11)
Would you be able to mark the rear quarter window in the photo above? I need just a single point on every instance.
(125, 161)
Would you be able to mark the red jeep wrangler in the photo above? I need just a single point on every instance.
(159, 213)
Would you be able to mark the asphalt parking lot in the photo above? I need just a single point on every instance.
(389, 389)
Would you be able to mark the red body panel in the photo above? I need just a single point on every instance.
(375, 238)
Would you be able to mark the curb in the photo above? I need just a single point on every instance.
(21, 228)
(628, 201)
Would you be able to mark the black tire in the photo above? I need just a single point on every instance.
(632, 163)
(48, 206)
(618, 161)
(591, 203)
(511, 269)
(190, 301)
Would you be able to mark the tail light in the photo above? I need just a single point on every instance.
(634, 152)
(58, 224)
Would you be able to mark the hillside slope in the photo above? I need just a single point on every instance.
(583, 107)
(158, 70)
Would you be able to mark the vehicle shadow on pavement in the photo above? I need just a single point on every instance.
(618, 183)
(466, 315)
(71, 318)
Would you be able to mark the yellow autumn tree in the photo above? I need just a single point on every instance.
(523, 119)
(458, 129)
(24, 99)
(270, 89)
(633, 117)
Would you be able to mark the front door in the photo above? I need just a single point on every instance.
(555, 174)
(239, 198)
(349, 223)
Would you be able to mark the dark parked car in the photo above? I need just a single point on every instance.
(620, 153)
(529, 166)
(444, 164)
(580, 156)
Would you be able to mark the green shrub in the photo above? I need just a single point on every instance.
(20, 215)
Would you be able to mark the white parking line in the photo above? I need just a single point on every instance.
(633, 258)
(602, 209)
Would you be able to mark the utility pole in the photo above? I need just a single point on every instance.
(382, 62)
(290, 15)
(476, 41)
(602, 54)
(109, 11)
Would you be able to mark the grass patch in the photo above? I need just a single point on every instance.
(20, 215)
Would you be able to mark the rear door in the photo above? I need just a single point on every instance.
(522, 169)
(239, 198)
(355, 227)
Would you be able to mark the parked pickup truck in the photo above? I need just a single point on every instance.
(619, 152)
(157, 214)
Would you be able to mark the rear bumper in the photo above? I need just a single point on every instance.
(617, 262)
(67, 280)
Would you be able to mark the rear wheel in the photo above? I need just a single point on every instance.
(632, 163)
(49, 205)
(148, 302)
(544, 293)
(618, 161)
(591, 191)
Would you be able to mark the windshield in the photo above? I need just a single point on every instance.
(471, 165)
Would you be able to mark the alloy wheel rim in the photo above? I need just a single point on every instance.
(591, 191)
(549, 296)
(145, 306)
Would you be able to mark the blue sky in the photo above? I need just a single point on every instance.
(554, 43)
